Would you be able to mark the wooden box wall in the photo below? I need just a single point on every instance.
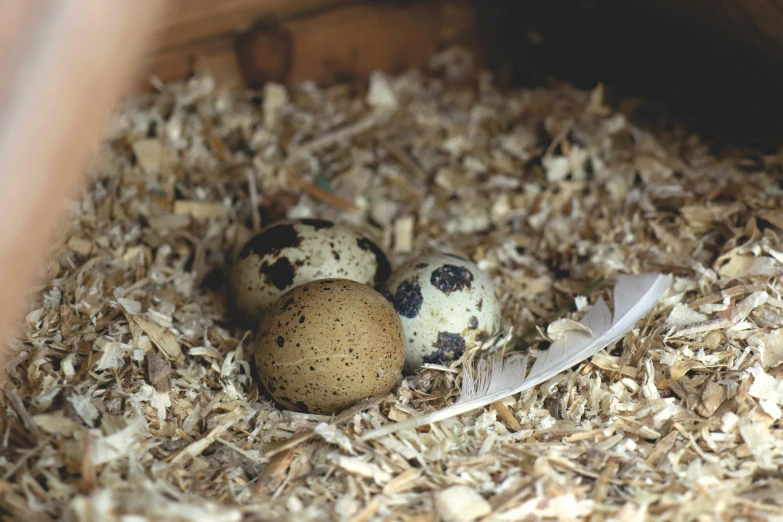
(719, 62)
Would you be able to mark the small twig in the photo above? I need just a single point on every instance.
(344, 133)
(506, 416)
(758, 505)
(602, 483)
(196, 447)
(252, 188)
(87, 480)
(15, 402)
(13, 469)
(318, 193)
(567, 465)
(405, 160)
(557, 139)
(274, 475)
(740, 312)
(732, 291)
(368, 511)
(213, 137)
(239, 450)
(701, 327)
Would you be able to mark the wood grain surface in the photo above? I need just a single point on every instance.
(353, 41)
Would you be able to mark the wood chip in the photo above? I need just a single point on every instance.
(275, 473)
(367, 513)
(167, 222)
(711, 398)
(197, 447)
(506, 416)
(403, 234)
(769, 347)
(662, 449)
(200, 209)
(158, 372)
(80, 246)
(603, 482)
(460, 504)
(148, 154)
(403, 482)
(275, 100)
(161, 337)
(88, 478)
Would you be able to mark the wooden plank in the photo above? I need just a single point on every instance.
(201, 34)
(331, 44)
(216, 55)
(196, 20)
(354, 41)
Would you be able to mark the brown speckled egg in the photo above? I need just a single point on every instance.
(328, 344)
(290, 253)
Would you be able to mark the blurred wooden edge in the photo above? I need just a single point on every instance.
(64, 73)
(15, 17)
(251, 41)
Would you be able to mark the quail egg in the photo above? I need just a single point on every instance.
(289, 253)
(446, 304)
(328, 344)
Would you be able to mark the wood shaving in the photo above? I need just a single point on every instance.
(132, 395)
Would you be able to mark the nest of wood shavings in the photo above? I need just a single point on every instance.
(132, 396)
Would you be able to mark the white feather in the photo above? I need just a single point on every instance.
(498, 378)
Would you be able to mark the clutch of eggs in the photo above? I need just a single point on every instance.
(326, 339)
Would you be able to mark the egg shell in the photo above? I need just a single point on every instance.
(328, 344)
(289, 253)
(446, 304)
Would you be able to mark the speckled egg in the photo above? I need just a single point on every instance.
(289, 253)
(447, 305)
(328, 344)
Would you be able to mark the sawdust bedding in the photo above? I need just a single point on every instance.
(131, 396)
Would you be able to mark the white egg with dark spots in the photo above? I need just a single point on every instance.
(290, 253)
(446, 304)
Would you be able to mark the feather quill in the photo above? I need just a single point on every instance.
(498, 378)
